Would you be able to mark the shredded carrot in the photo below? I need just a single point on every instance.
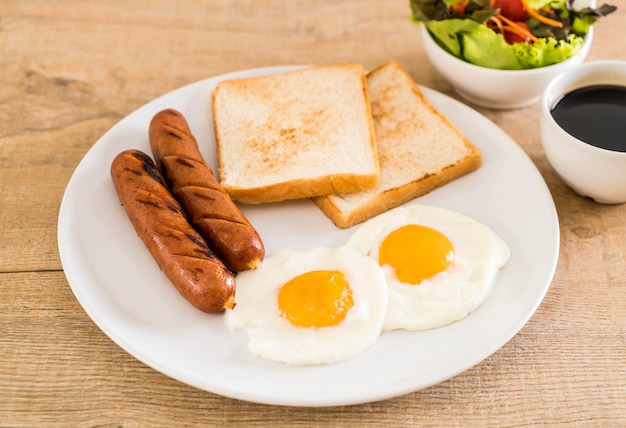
(517, 29)
(497, 23)
(540, 17)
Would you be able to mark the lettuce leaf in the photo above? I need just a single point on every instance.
(474, 43)
(448, 33)
(488, 49)
(547, 51)
(554, 4)
(584, 18)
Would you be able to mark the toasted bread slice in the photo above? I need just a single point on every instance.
(295, 135)
(418, 149)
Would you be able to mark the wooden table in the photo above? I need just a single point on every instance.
(70, 70)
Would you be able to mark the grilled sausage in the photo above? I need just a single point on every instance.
(209, 208)
(180, 252)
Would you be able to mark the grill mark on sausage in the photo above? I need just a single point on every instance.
(215, 215)
(148, 198)
(197, 241)
(183, 162)
(149, 202)
(148, 166)
(175, 130)
(133, 171)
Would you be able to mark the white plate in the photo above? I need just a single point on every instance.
(120, 287)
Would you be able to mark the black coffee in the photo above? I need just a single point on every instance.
(594, 114)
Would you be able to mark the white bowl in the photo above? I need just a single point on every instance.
(591, 171)
(498, 89)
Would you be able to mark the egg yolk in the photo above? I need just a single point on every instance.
(416, 253)
(318, 298)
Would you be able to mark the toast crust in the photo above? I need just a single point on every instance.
(393, 197)
(302, 188)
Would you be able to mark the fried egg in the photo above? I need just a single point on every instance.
(439, 264)
(317, 306)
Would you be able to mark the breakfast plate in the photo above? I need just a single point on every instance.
(121, 288)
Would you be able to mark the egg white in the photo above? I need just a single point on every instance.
(273, 337)
(450, 295)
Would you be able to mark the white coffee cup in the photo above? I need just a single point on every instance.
(591, 171)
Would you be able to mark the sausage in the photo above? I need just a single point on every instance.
(209, 208)
(159, 220)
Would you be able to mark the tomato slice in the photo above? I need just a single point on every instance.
(515, 10)
(512, 37)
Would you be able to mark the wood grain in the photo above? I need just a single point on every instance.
(70, 70)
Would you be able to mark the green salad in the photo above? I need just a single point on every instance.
(508, 34)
